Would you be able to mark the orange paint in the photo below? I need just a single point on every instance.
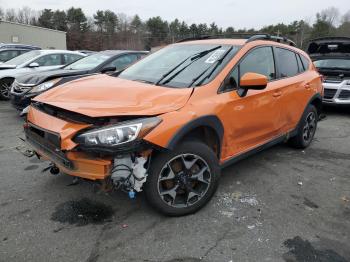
(248, 121)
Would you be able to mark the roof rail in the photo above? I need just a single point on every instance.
(219, 36)
(268, 37)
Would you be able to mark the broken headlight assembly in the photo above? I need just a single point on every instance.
(44, 86)
(117, 135)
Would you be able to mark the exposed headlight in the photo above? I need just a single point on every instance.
(44, 86)
(118, 134)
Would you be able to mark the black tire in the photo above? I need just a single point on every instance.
(304, 137)
(5, 88)
(201, 157)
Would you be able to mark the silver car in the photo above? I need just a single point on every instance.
(31, 62)
(331, 56)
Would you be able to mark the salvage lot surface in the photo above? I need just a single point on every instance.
(279, 205)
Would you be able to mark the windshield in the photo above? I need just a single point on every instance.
(333, 63)
(23, 58)
(179, 65)
(89, 62)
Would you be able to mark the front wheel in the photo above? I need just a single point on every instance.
(182, 181)
(306, 128)
(5, 88)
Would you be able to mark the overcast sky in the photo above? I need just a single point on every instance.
(236, 13)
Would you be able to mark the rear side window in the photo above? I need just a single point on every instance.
(305, 61)
(287, 63)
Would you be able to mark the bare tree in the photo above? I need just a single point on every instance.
(2, 13)
(346, 17)
(10, 15)
(330, 15)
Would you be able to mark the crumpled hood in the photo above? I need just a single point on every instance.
(40, 77)
(103, 95)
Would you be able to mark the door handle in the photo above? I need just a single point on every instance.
(277, 94)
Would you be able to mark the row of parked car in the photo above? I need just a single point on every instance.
(35, 71)
(168, 123)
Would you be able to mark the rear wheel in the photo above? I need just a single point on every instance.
(306, 129)
(5, 88)
(182, 181)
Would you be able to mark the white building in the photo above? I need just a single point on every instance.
(45, 38)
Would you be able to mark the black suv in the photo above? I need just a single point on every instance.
(9, 51)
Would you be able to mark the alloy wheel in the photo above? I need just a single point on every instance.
(184, 180)
(5, 89)
(309, 127)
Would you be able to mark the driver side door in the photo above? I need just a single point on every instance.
(254, 119)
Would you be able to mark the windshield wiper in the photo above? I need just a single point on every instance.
(193, 58)
(218, 62)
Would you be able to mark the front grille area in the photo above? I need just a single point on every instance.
(48, 143)
(333, 80)
(344, 94)
(329, 93)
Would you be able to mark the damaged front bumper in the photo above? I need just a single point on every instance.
(77, 164)
(52, 139)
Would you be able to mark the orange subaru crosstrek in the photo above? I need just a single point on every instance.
(169, 123)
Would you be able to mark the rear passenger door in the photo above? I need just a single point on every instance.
(293, 81)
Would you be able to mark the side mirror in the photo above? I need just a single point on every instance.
(108, 69)
(251, 81)
(34, 64)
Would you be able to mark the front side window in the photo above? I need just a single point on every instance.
(70, 58)
(259, 60)
(49, 60)
(287, 62)
(181, 65)
(23, 58)
(123, 61)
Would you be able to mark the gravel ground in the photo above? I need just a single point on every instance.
(279, 205)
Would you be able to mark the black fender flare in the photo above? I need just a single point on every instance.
(315, 97)
(210, 121)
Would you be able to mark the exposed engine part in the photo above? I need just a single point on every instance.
(129, 173)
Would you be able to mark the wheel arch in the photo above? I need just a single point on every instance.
(208, 129)
(316, 101)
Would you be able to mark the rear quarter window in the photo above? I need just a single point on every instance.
(305, 61)
(287, 63)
